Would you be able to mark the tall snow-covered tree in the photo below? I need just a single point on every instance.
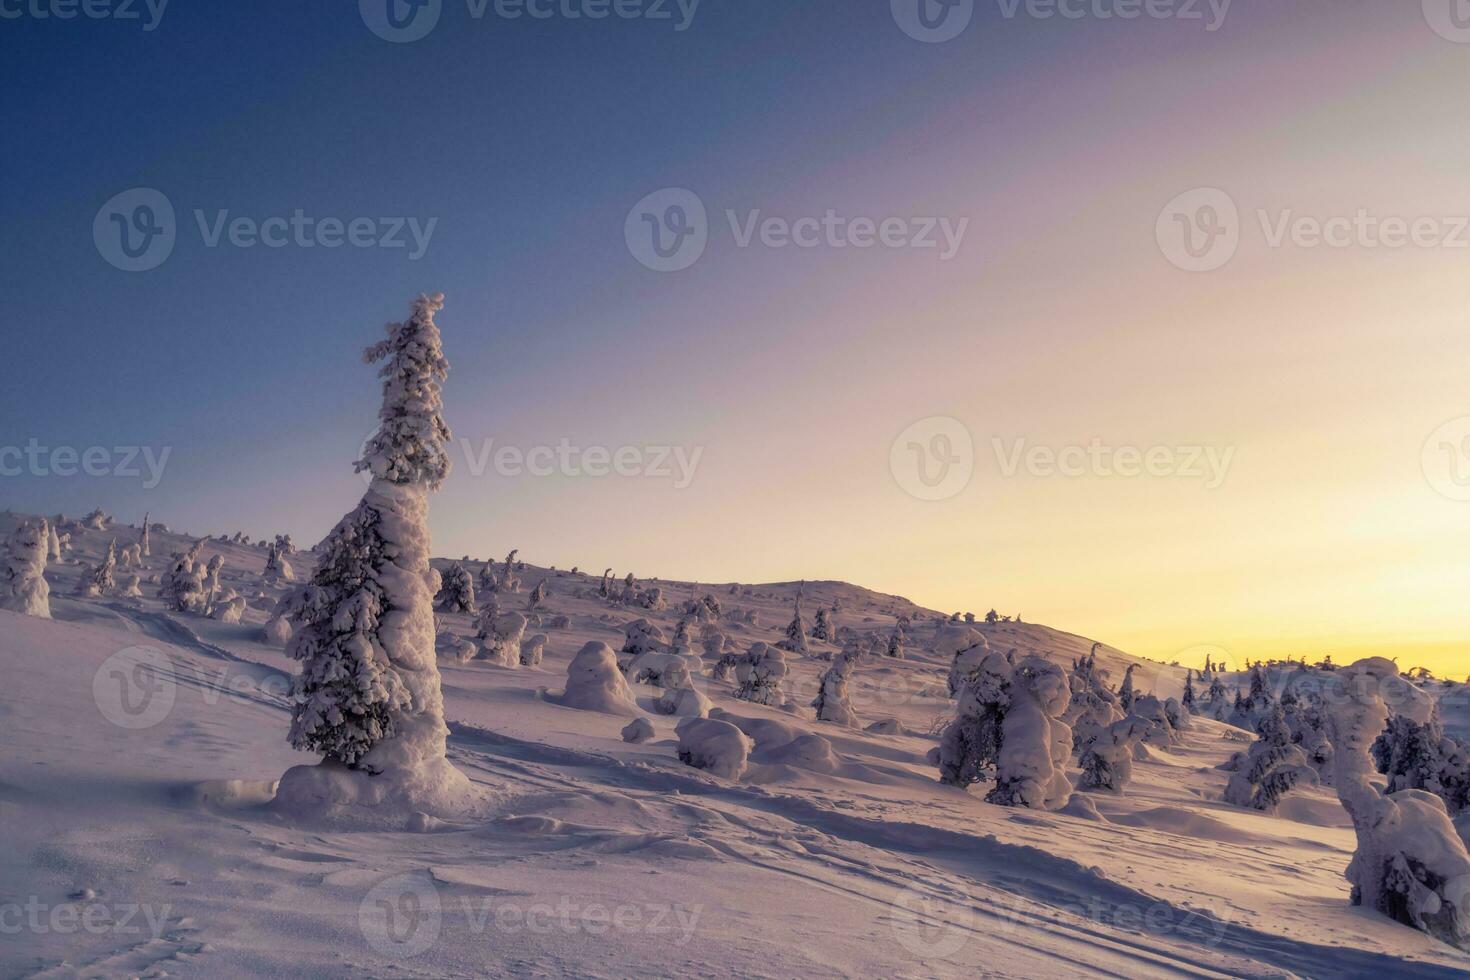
(143, 538)
(1188, 699)
(537, 596)
(1410, 863)
(368, 698)
(23, 586)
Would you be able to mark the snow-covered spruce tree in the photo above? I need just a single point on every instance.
(285, 546)
(1270, 768)
(1416, 755)
(23, 586)
(508, 580)
(822, 627)
(602, 589)
(183, 583)
(211, 583)
(894, 646)
(537, 596)
(833, 702)
(501, 637)
(277, 568)
(1009, 719)
(1092, 708)
(53, 542)
(1125, 693)
(1107, 762)
(143, 538)
(967, 661)
(368, 697)
(1410, 863)
(795, 640)
(1188, 699)
(640, 637)
(759, 674)
(456, 591)
(98, 581)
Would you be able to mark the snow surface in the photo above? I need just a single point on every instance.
(143, 747)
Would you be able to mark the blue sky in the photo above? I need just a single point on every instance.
(1061, 319)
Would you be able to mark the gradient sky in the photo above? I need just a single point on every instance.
(1060, 320)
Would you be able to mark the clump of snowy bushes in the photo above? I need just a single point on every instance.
(1009, 721)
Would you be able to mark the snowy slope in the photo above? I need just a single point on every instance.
(597, 857)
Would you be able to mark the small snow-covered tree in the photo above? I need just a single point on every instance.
(602, 589)
(1188, 699)
(1410, 863)
(1107, 762)
(894, 646)
(759, 675)
(456, 591)
(53, 542)
(640, 637)
(833, 702)
(368, 697)
(98, 581)
(822, 627)
(285, 546)
(796, 632)
(1125, 693)
(143, 538)
(537, 597)
(970, 745)
(1270, 768)
(183, 583)
(23, 586)
(277, 568)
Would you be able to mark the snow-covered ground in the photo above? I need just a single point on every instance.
(142, 745)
